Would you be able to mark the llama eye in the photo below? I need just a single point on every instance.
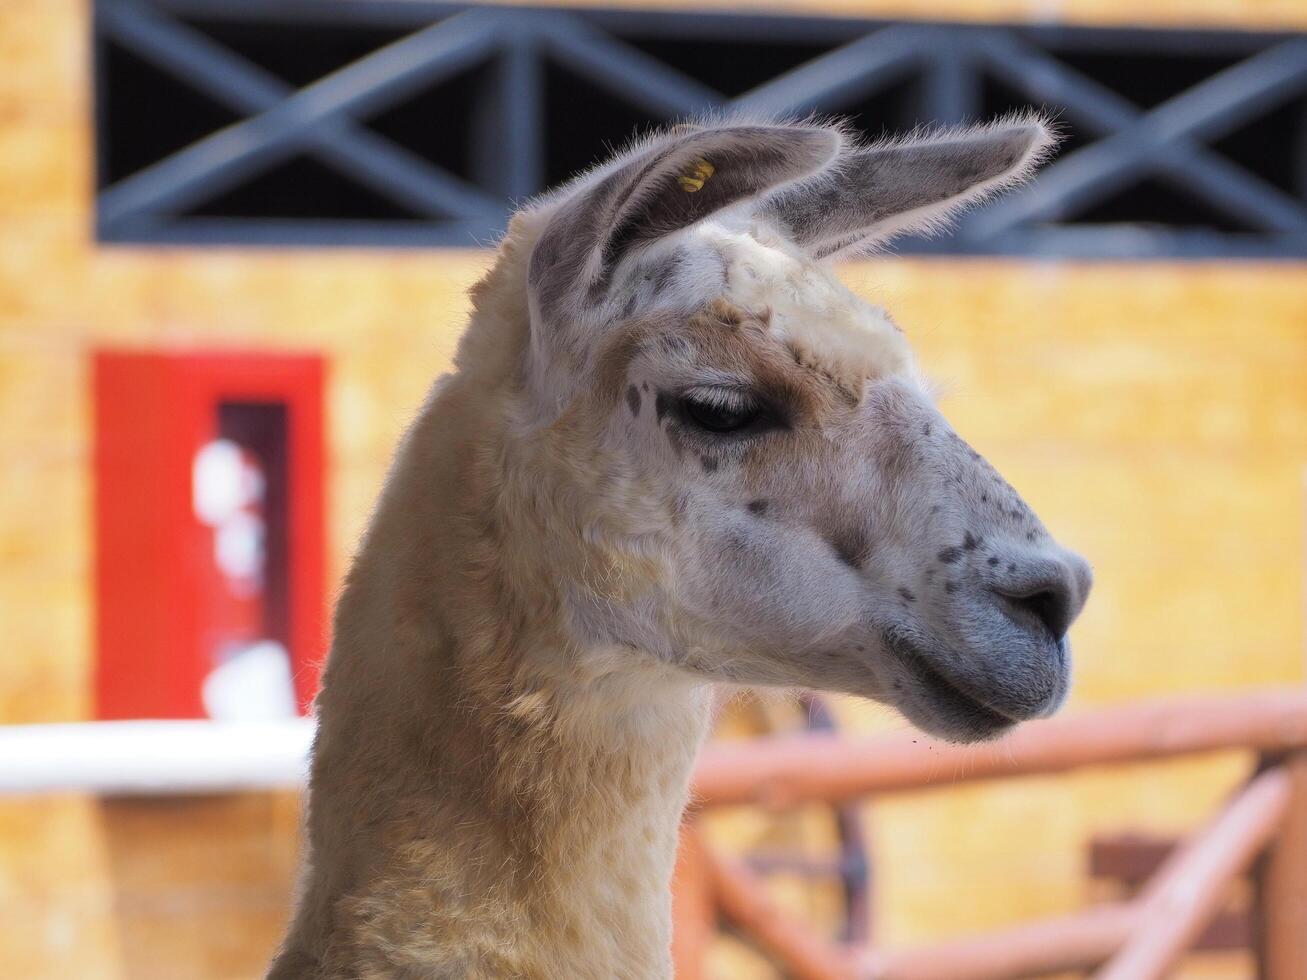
(716, 417)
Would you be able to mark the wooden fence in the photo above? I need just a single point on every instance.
(1262, 829)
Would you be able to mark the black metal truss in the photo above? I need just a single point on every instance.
(941, 73)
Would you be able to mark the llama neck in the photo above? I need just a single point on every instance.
(597, 804)
(533, 838)
(497, 798)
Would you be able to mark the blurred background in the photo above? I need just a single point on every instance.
(235, 242)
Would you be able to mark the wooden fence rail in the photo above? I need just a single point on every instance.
(785, 770)
(1263, 829)
(1073, 942)
(1186, 892)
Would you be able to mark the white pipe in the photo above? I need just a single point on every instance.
(154, 757)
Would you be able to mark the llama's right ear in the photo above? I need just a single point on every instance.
(661, 188)
(910, 184)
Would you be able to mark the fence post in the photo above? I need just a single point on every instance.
(693, 913)
(1281, 884)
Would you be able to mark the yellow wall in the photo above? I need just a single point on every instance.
(1242, 14)
(1155, 415)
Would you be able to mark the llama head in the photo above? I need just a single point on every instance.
(758, 459)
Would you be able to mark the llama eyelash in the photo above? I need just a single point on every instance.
(716, 416)
(737, 399)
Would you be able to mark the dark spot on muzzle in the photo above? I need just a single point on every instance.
(661, 405)
(853, 549)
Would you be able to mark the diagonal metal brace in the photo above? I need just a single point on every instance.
(388, 168)
(309, 119)
(624, 70)
(1163, 140)
(834, 79)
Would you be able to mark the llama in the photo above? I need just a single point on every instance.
(675, 451)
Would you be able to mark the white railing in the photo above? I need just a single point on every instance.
(154, 757)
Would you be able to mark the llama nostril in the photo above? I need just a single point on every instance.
(1050, 605)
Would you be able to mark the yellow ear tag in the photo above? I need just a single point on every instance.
(693, 182)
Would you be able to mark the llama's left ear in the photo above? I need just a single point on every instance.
(664, 185)
(911, 184)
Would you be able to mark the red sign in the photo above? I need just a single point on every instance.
(209, 516)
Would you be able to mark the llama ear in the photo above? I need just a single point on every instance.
(658, 189)
(912, 184)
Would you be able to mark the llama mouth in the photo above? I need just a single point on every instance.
(960, 714)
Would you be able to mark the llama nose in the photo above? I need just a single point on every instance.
(1053, 597)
